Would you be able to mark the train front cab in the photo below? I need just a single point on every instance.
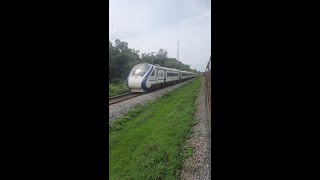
(137, 80)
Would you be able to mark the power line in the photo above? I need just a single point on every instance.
(141, 41)
(132, 45)
(129, 43)
(134, 37)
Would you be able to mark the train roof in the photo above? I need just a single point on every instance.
(165, 68)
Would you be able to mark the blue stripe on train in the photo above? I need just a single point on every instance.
(144, 82)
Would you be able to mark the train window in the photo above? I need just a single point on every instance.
(139, 72)
(142, 66)
(140, 69)
(153, 72)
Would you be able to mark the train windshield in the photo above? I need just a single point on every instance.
(140, 69)
(139, 72)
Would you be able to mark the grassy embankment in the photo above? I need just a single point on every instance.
(150, 141)
(117, 87)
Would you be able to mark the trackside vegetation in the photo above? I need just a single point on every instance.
(117, 87)
(122, 59)
(149, 142)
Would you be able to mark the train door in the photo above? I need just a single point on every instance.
(160, 76)
(165, 75)
(153, 77)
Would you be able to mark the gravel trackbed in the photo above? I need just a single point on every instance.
(121, 108)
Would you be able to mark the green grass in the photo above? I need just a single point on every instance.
(149, 142)
(118, 87)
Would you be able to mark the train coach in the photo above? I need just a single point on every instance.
(144, 77)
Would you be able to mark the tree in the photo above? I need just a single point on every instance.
(122, 59)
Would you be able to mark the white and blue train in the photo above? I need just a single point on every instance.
(144, 77)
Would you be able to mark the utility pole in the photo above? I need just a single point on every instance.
(112, 32)
(178, 56)
(178, 52)
(152, 56)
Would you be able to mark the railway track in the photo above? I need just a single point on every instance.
(123, 97)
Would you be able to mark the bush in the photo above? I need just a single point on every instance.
(117, 81)
(118, 87)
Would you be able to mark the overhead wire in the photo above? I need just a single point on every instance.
(134, 45)
(134, 37)
(113, 38)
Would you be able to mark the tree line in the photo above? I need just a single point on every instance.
(122, 59)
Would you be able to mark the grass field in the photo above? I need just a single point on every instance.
(118, 87)
(150, 141)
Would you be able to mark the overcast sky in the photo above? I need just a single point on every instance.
(148, 25)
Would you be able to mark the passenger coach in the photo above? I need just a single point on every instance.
(144, 77)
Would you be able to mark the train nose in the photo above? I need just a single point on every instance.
(135, 82)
